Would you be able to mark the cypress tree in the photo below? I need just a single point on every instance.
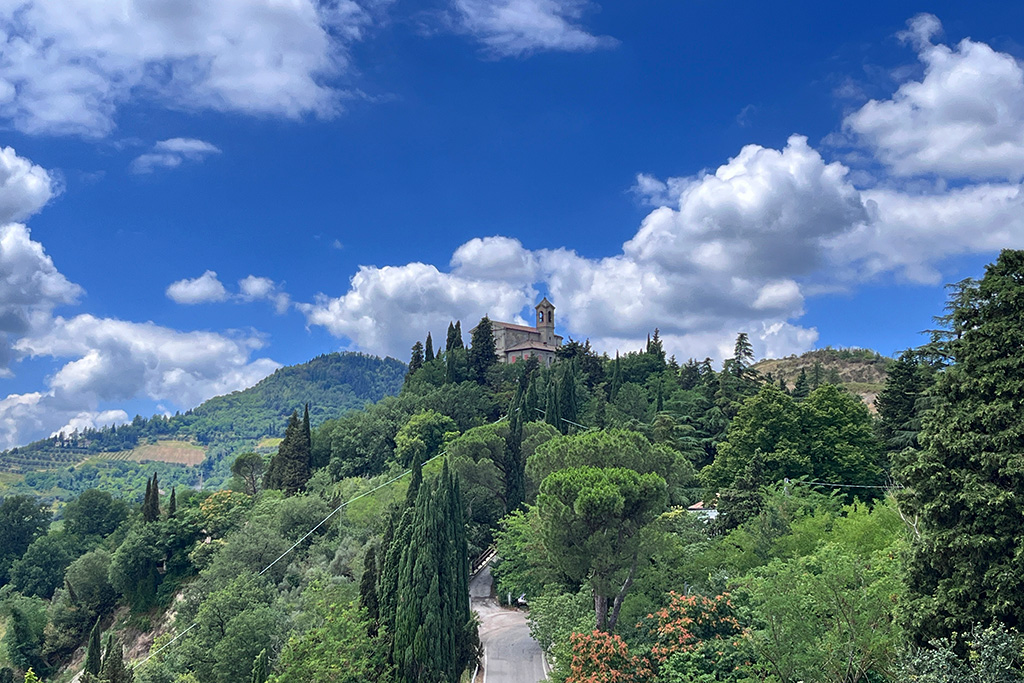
(428, 353)
(260, 667)
(172, 506)
(457, 343)
(93, 656)
(531, 403)
(368, 590)
(616, 382)
(114, 669)
(414, 482)
(433, 627)
(151, 505)
(449, 343)
(568, 406)
(482, 353)
(289, 469)
(515, 464)
(416, 362)
(395, 541)
(553, 414)
(449, 367)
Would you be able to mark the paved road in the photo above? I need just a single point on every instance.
(511, 655)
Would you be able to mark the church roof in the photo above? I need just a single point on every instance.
(513, 326)
(532, 345)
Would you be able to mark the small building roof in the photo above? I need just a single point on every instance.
(545, 302)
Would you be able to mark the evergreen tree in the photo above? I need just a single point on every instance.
(428, 352)
(289, 469)
(531, 402)
(416, 362)
(616, 381)
(782, 384)
(435, 636)
(568, 403)
(515, 463)
(23, 644)
(966, 484)
(260, 668)
(901, 401)
(368, 590)
(457, 342)
(801, 388)
(93, 655)
(172, 506)
(743, 356)
(151, 504)
(482, 353)
(114, 669)
(449, 343)
(415, 481)
(817, 375)
(553, 413)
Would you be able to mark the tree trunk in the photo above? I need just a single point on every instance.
(600, 610)
(617, 605)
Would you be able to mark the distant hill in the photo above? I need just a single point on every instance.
(862, 371)
(332, 384)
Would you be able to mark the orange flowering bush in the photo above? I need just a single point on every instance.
(692, 621)
(600, 657)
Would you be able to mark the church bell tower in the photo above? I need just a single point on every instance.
(546, 321)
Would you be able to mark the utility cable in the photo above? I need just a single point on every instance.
(296, 545)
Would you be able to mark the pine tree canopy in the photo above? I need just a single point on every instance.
(967, 481)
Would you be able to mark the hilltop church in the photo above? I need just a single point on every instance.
(518, 342)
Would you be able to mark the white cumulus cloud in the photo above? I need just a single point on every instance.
(66, 67)
(111, 360)
(253, 288)
(24, 187)
(513, 28)
(386, 309)
(963, 119)
(203, 289)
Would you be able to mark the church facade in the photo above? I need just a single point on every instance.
(514, 343)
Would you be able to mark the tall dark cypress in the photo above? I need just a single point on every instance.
(414, 482)
(114, 669)
(151, 506)
(515, 465)
(616, 382)
(457, 343)
(567, 402)
(260, 667)
(434, 635)
(416, 361)
(449, 343)
(172, 505)
(94, 653)
(553, 414)
(482, 353)
(368, 590)
(289, 469)
(428, 351)
(531, 403)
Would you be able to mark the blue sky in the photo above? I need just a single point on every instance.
(193, 194)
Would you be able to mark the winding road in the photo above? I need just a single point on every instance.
(511, 655)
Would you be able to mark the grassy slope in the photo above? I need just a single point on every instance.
(333, 384)
(861, 371)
